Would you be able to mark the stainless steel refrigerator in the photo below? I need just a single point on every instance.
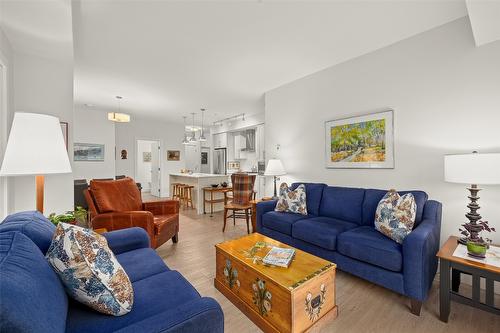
(220, 161)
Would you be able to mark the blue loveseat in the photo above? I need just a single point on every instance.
(32, 298)
(340, 228)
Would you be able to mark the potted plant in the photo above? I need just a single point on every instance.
(477, 246)
(78, 217)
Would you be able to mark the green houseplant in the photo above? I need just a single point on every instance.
(477, 247)
(77, 216)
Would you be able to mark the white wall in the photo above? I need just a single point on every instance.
(446, 97)
(143, 171)
(170, 136)
(93, 126)
(44, 86)
(7, 104)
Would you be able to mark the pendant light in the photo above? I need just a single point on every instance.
(117, 116)
(202, 135)
(185, 141)
(193, 129)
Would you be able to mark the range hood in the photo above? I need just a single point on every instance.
(249, 135)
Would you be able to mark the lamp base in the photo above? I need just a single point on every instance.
(40, 182)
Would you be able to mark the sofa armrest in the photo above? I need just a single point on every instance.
(262, 208)
(164, 207)
(125, 240)
(203, 315)
(419, 252)
(124, 220)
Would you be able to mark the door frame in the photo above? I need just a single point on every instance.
(136, 162)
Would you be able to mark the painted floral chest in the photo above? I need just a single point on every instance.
(293, 299)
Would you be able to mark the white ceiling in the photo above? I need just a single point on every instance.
(485, 20)
(38, 27)
(169, 58)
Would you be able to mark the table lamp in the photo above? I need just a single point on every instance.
(274, 168)
(473, 169)
(35, 147)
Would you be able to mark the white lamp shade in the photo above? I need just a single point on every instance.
(35, 147)
(472, 168)
(275, 168)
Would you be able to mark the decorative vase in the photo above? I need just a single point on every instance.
(477, 249)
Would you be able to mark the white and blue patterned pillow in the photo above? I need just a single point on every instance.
(292, 201)
(395, 215)
(89, 270)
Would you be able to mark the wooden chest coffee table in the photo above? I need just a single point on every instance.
(293, 299)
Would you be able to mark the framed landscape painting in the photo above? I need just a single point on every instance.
(360, 142)
(88, 152)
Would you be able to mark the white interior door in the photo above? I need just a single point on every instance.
(155, 170)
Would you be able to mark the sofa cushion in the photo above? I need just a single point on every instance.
(368, 245)
(321, 231)
(32, 296)
(314, 192)
(153, 295)
(141, 263)
(395, 215)
(373, 197)
(281, 222)
(116, 195)
(33, 225)
(292, 201)
(89, 270)
(343, 203)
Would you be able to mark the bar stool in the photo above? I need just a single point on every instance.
(187, 195)
(176, 190)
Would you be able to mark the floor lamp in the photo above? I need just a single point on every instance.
(35, 147)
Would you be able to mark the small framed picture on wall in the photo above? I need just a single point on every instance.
(173, 155)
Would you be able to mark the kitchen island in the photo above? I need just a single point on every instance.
(199, 181)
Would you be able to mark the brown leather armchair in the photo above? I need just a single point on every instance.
(117, 204)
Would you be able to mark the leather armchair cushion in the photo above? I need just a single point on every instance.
(116, 196)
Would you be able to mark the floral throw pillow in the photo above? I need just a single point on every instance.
(395, 215)
(292, 201)
(89, 270)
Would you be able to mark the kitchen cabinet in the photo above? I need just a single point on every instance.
(239, 144)
(220, 140)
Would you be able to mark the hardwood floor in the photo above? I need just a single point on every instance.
(363, 306)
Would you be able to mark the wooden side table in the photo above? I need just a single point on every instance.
(254, 211)
(212, 201)
(456, 265)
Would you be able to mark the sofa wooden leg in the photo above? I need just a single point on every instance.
(416, 306)
(175, 239)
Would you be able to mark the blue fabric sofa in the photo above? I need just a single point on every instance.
(340, 228)
(32, 298)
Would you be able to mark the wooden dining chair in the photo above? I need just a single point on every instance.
(243, 193)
